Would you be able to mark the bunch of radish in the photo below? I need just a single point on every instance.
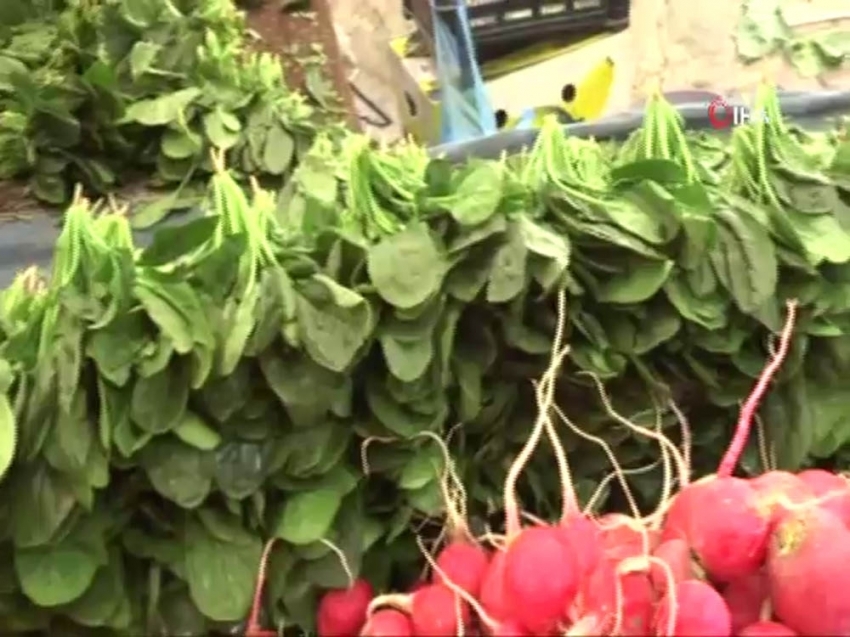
(757, 557)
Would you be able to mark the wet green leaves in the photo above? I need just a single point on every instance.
(154, 90)
(277, 370)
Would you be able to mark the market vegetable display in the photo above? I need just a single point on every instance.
(584, 575)
(312, 368)
(100, 93)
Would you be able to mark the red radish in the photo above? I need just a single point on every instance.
(624, 537)
(584, 535)
(726, 529)
(342, 612)
(676, 555)
(388, 622)
(766, 629)
(720, 516)
(696, 610)
(492, 594)
(776, 490)
(539, 602)
(678, 516)
(465, 564)
(746, 597)
(809, 559)
(508, 629)
(832, 489)
(435, 611)
(621, 602)
(536, 601)
(417, 585)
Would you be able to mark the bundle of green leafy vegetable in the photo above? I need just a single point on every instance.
(270, 368)
(103, 93)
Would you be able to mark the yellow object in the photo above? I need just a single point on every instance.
(510, 63)
(419, 109)
(587, 103)
(592, 92)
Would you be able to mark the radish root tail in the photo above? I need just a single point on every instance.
(742, 428)
(343, 560)
(252, 628)
(512, 516)
(460, 594)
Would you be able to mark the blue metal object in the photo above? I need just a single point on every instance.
(465, 109)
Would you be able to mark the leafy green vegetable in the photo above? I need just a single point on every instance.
(277, 368)
(92, 93)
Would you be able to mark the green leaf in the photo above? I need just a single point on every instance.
(142, 56)
(100, 605)
(154, 211)
(8, 435)
(222, 129)
(172, 243)
(478, 194)
(195, 432)
(162, 110)
(221, 573)
(240, 468)
(179, 472)
(424, 467)
(54, 575)
(42, 500)
(308, 516)
(181, 144)
(744, 259)
(638, 284)
(159, 401)
(508, 271)
(407, 268)
(278, 151)
(336, 322)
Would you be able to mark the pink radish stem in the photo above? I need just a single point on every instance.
(253, 628)
(742, 429)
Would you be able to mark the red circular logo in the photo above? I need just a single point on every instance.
(719, 113)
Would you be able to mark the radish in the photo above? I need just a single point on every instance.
(622, 602)
(462, 560)
(492, 594)
(342, 612)
(623, 536)
(541, 578)
(465, 564)
(538, 602)
(693, 609)
(776, 490)
(766, 629)
(832, 490)
(388, 622)
(721, 517)
(677, 518)
(809, 558)
(488, 623)
(747, 598)
(508, 629)
(586, 538)
(676, 555)
(726, 529)
(437, 612)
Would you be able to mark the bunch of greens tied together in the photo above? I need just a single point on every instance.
(165, 410)
(98, 92)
